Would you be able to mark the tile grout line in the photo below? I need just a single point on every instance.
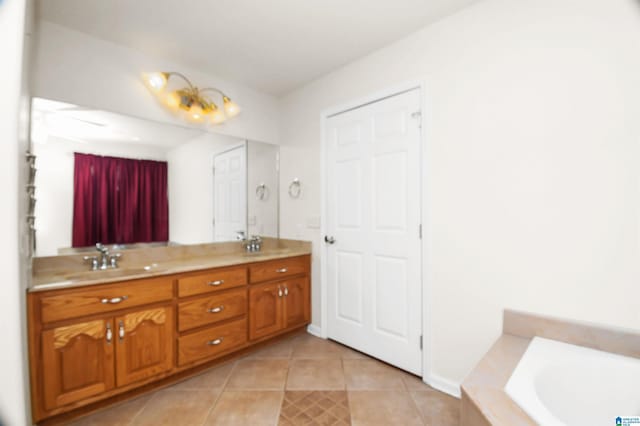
(286, 379)
(284, 390)
(415, 404)
(346, 390)
(222, 388)
(135, 416)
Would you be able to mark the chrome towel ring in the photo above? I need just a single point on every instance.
(261, 191)
(295, 188)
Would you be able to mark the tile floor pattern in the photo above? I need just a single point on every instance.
(303, 380)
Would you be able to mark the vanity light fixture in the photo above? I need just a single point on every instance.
(191, 100)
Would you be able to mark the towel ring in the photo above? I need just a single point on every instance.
(261, 191)
(295, 188)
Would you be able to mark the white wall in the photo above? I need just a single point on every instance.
(532, 114)
(191, 187)
(74, 67)
(13, 378)
(54, 184)
(262, 167)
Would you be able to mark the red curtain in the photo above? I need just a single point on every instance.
(119, 200)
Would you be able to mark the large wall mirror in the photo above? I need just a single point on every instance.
(129, 182)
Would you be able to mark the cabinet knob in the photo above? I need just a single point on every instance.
(215, 342)
(279, 291)
(286, 290)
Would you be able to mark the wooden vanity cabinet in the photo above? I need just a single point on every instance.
(280, 304)
(144, 344)
(95, 342)
(77, 361)
(297, 302)
(88, 358)
(87, 342)
(265, 310)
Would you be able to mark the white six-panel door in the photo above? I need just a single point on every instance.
(373, 214)
(230, 194)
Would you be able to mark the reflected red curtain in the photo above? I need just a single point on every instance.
(119, 200)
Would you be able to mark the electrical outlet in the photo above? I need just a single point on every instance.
(313, 222)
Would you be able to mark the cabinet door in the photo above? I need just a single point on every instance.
(265, 310)
(297, 305)
(144, 344)
(77, 362)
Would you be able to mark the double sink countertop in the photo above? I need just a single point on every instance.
(58, 272)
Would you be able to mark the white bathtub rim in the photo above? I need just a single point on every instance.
(521, 385)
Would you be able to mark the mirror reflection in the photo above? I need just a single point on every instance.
(127, 182)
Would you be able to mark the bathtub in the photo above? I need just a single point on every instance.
(557, 383)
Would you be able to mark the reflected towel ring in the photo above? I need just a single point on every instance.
(261, 191)
(295, 188)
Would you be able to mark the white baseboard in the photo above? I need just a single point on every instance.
(314, 330)
(444, 385)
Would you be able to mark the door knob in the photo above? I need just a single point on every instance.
(329, 240)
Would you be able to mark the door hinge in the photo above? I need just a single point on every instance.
(420, 342)
(418, 116)
(420, 231)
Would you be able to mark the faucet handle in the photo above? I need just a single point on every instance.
(113, 259)
(101, 248)
(93, 260)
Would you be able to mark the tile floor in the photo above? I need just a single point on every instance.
(299, 381)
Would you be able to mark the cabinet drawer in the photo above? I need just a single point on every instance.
(212, 342)
(104, 298)
(275, 269)
(217, 279)
(211, 309)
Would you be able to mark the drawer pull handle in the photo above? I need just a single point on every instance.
(279, 292)
(281, 270)
(121, 330)
(114, 300)
(216, 283)
(216, 309)
(215, 342)
(286, 291)
(109, 333)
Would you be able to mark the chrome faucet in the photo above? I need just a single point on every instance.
(104, 255)
(105, 260)
(253, 244)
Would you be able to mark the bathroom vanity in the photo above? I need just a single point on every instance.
(97, 337)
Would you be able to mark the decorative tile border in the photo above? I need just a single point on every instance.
(315, 408)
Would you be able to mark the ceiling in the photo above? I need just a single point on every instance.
(273, 46)
(85, 125)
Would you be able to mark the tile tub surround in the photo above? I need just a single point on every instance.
(609, 339)
(377, 394)
(56, 272)
(484, 401)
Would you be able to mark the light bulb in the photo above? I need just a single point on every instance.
(173, 100)
(196, 113)
(218, 117)
(231, 108)
(157, 80)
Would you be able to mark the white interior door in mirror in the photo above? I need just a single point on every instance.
(230, 194)
(373, 214)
